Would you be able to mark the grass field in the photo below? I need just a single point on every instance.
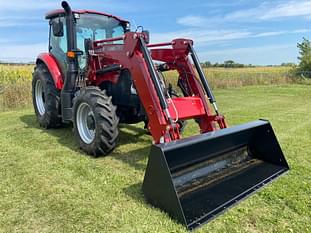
(49, 185)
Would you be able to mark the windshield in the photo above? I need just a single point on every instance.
(97, 27)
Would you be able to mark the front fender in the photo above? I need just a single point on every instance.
(51, 64)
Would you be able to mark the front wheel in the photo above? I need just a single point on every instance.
(95, 121)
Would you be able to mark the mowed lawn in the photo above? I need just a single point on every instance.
(48, 185)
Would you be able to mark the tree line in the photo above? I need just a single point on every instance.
(226, 64)
(233, 64)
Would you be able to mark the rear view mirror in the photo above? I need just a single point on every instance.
(58, 29)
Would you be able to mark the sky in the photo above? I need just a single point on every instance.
(246, 31)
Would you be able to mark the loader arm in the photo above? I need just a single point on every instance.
(162, 112)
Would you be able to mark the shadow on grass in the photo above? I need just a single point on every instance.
(131, 135)
(128, 134)
(133, 157)
(135, 192)
(63, 134)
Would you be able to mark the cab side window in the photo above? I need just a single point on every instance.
(58, 44)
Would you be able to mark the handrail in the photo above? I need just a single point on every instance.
(159, 44)
(108, 40)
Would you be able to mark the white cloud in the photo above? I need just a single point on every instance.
(246, 49)
(192, 20)
(29, 12)
(268, 11)
(21, 53)
(277, 33)
(3, 41)
(47, 5)
(253, 55)
(247, 14)
(200, 36)
(289, 9)
(18, 20)
(265, 11)
(22, 5)
(203, 37)
(218, 4)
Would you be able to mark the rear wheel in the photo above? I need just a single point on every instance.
(95, 121)
(46, 98)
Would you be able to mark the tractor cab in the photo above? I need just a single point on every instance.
(86, 25)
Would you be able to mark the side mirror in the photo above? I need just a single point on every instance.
(58, 29)
(147, 36)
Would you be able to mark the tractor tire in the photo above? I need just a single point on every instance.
(45, 98)
(95, 121)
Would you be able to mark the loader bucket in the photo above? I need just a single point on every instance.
(197, 178)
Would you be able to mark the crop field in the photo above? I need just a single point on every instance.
(49, 185)
(238, 77)
(15, 86)
(15, 81)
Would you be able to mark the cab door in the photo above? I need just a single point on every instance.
(58, 42)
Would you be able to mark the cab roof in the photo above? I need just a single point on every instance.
(60, 12)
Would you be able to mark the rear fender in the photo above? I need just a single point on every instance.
(53, 68)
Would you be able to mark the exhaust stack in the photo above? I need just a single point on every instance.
(72, 70)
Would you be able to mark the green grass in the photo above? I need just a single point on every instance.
(48, 185)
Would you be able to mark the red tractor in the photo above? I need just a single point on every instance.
(98, 74)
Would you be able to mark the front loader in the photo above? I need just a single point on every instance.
(98, 73)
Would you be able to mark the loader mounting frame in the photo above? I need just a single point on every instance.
(135, 56)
